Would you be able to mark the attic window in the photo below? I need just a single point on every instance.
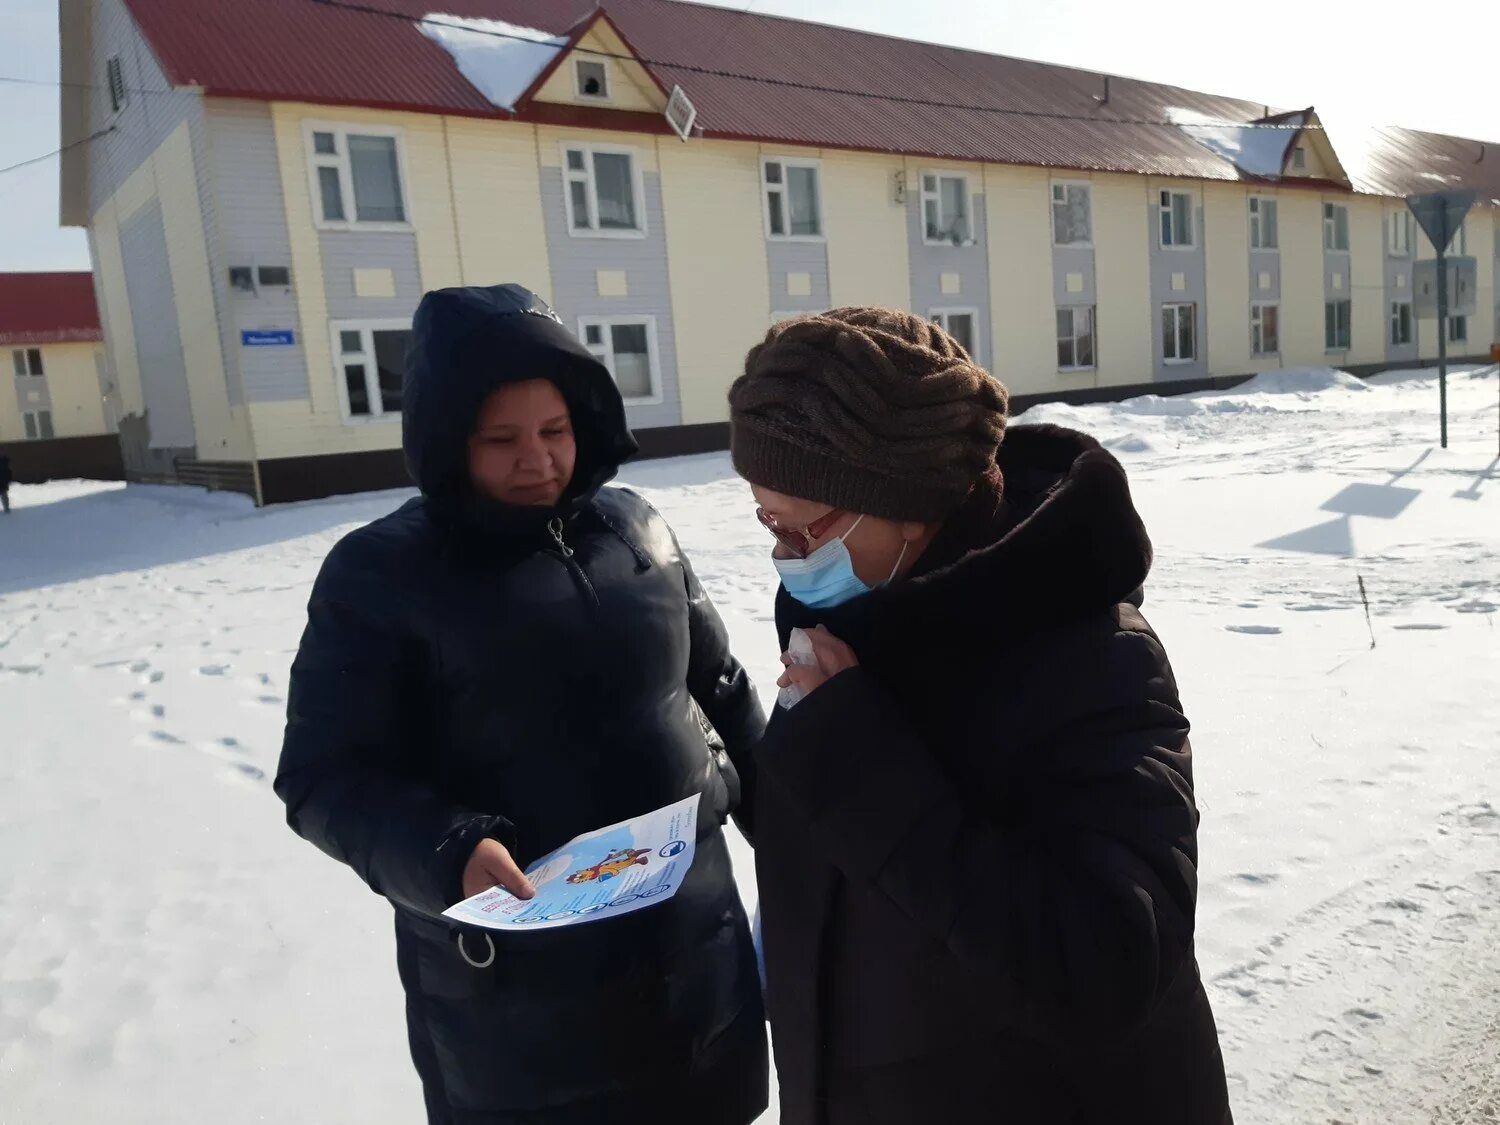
(593, 79)
(116, 79)
(1299, 158)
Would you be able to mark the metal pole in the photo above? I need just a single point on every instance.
(1442, 296)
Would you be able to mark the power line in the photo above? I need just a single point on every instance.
(809, 87)
(57, 85)
(57, 152)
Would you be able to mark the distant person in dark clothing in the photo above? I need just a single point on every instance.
(975, 833)
(5, 481)
(516, 657)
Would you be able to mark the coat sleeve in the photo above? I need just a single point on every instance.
(723, 689)
(1073, 923)
(346, 772)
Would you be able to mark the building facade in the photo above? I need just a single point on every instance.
(262, 234)
(57, 406)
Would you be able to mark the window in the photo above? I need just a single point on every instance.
(627, 346)
(1179, 333)
(593, 79)
(1458, 329)
(1263, 232)
(1400, 322)
(1176, 218)
(793, 207)
(38, 424)
(242, 279)
(1265, 329)
(945, 209)
(1071, 220)
(357, 177)
(1460, 243)
(371, 360)
(27, 361)
(604, 191)
(1299, 158)
(275, 277)
(961, 324)
(1399, 235)
(1336, 326)
(1075, 338)
(1335, 226)
(115, 80)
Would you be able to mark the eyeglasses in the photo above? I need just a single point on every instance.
(799, 541)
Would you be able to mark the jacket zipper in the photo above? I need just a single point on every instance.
(556, 528)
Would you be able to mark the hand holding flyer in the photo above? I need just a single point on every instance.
(615, 870)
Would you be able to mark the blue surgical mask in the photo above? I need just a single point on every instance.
(826, 577)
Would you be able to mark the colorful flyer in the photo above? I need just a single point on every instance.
(626, 867)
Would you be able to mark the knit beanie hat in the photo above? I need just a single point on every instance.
(868, 410)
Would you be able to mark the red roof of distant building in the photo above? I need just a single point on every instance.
(48, 308)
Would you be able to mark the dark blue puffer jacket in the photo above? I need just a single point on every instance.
(463, 675)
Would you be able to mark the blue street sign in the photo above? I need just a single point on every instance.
(268, 338)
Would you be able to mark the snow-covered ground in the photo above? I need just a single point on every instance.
(170, 953)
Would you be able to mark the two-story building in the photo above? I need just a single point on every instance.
(272, 187)
(57, 407)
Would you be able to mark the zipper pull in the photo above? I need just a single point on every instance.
(556, 528)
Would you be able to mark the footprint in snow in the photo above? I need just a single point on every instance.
(167, 737)
(1419, 627)
(1255, 630)
(213, 669)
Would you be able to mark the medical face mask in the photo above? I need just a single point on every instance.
(826, 577)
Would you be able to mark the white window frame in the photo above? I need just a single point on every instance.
(578, 65)
(637, 186)
(943, 313)
(1459, 247)
(1088, 189)
(1331, 227)
(1400, 221)
(1192, 306)
(340, 160)
(1257, 212)
(1166, 209)
(34, 418)
(1093, 312)
(1258, 329)
(924, 196)
(1411, 324)
(657, 395)
(768, 189)
(1335, 347)
(1454, 321)
(378, 414)
(1299, 159)
(25, 355)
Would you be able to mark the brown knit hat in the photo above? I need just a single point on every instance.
(869, 410)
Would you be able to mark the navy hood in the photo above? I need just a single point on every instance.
(468, 342)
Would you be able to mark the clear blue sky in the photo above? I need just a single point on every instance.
(1349, 58)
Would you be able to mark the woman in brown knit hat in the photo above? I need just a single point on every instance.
(976, 836)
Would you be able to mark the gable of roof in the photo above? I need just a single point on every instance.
(48, 308)
(752, 77)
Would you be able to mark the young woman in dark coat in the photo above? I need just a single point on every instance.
(518, 656)
(976, 836)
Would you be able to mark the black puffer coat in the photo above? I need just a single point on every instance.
(464, 673)
(977, 851)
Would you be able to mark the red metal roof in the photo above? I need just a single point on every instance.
(48, 308)
(774, 85)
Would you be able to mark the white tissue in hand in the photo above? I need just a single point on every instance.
(799, 648)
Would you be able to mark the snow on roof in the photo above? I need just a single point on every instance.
(1254, 148)
(501, 60)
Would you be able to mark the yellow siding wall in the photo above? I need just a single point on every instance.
(1300, 218)
(1023, 317)
(1367, 281)
(868, 253)
(1226, 225)
(716, 263)
(1482, 328)
(1122, 278)
(11, 428)
(119, 329)
(493, 164)
(629, 86)
(73, 385)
